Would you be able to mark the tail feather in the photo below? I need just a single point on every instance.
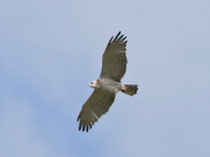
(129, 89)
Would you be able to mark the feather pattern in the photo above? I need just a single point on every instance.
(96, 106)
(114, 58)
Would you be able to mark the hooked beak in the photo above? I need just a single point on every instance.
(90, 85)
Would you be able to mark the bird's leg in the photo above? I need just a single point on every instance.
(123, 88)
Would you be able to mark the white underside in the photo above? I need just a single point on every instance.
(110, 85)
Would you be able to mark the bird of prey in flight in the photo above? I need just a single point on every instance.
(108, 84)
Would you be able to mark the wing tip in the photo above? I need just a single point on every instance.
(118, 38)
(84, 126)
(111, 39)
(124, 40)
(80, 125)
(78, 117)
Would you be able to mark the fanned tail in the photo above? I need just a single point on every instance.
(129, 89)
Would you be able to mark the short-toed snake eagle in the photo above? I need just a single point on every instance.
(108, 84)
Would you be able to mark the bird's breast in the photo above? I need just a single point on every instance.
(110, 85)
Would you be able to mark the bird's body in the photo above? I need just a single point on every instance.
(108, 84)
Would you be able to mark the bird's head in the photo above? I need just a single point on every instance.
(93, 84)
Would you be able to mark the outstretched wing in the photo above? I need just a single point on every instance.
(96, 106)
(114, 58)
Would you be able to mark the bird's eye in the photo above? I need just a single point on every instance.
(91, 82)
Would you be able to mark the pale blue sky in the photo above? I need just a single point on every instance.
(51, 50)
